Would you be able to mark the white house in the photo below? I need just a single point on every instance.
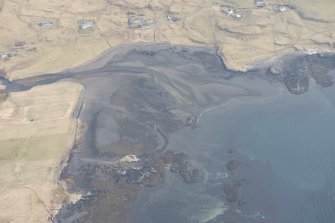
(4, 56)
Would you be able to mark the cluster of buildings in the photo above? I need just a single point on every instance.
(19, 47)
(22, 46)
(280, 8)
(240, 13)
(276, 8)
(232, 12)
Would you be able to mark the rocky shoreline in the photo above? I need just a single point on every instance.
(296, 71)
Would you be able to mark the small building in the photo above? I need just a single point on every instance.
(4, 56)
(45, 24)
(238, 16)
(227, 10)
(280, 8)
(172, 18)
(134, 22)
(260, 3)
(86, 26)
(138, 22)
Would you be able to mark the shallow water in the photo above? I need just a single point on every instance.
(285, 149)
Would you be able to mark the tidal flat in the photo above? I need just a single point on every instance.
(171, 135)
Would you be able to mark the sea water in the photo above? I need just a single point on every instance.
(285, 149)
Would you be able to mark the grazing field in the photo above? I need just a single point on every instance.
(37, 130)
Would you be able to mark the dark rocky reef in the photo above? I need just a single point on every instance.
(98, 179)
(149, 170)
(179, 164)
(295, 71)
(231, 191)
(232, 165)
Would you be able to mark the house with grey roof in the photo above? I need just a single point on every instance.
(260, 3)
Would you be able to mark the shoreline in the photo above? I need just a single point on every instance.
(146, 96)
(77, 135)
(104, 57)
